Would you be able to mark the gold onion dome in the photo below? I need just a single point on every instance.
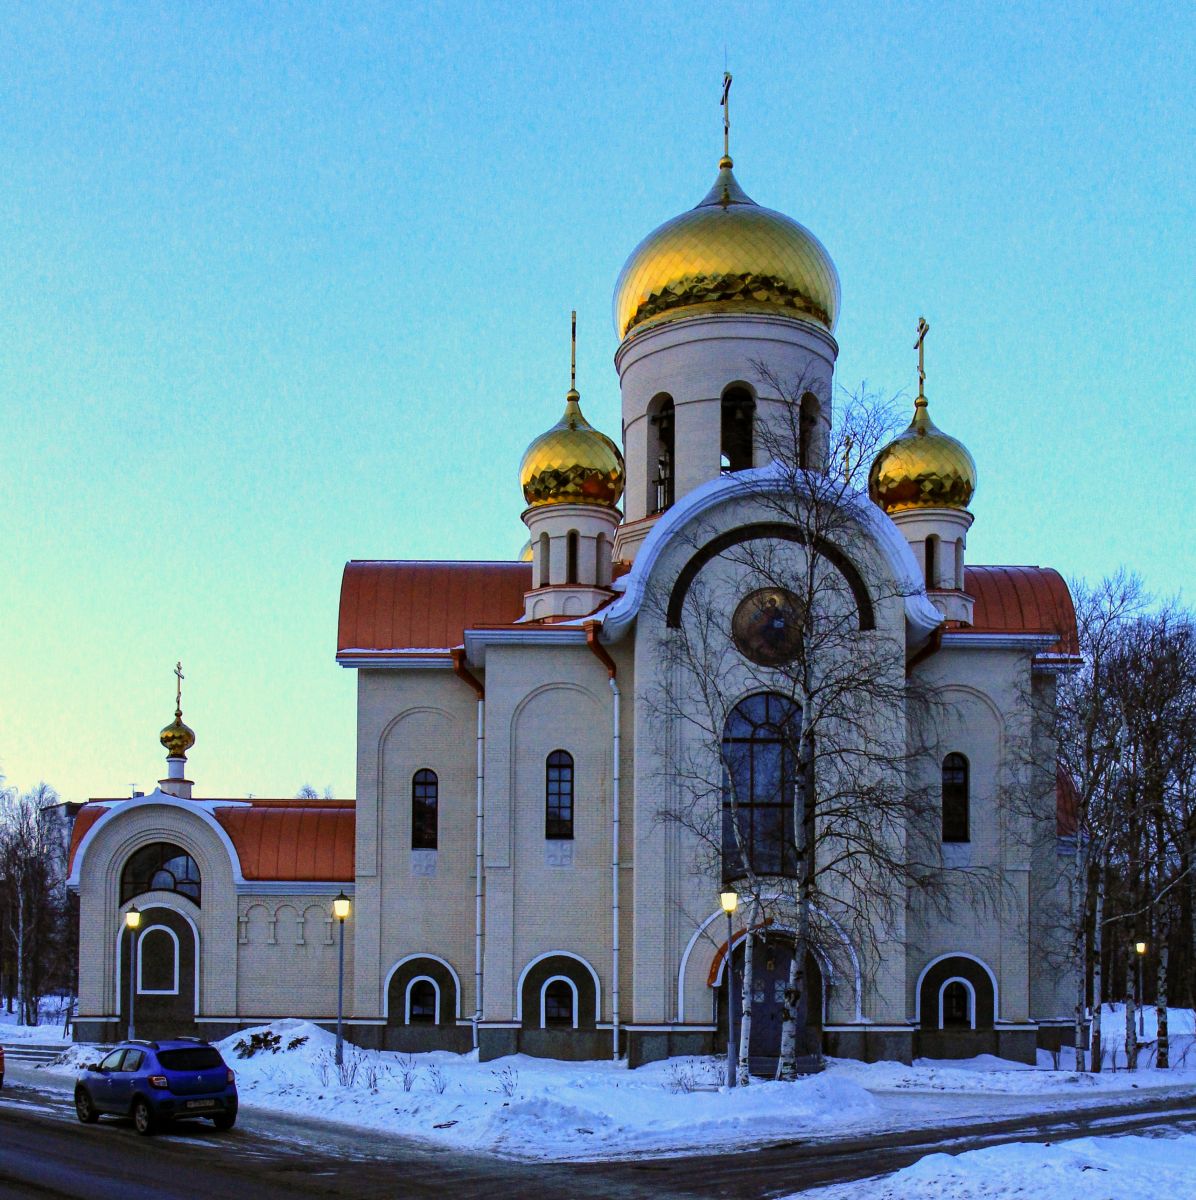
(727, 254)
(572, 463)
(922, 468)
(177, 737)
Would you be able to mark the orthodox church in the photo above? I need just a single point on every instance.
(514, 883)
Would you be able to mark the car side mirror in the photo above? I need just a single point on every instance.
(91, 1066)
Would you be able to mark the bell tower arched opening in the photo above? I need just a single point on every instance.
(738, 429)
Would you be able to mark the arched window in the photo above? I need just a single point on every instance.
(544, 561)
(932, 576)
(603, 554)
(661, 452)
(160, 867)
(957, 1005)
(558, 796)
(425, 802)
(760, 774)
(571, 550)
(807, 421)
(959, 563)
(738, 419)
(558, 1002)
(423, 1001)
(955, 798)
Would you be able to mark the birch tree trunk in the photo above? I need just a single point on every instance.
(788, 1065)
(1131, 996)
(1163, 1051)
(1079, 913)
(744, 1075)
(1094, 1046)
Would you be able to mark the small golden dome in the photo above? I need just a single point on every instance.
(922, 468)
(727, 254)
(177, 737)
(572, 463)
(527, 554)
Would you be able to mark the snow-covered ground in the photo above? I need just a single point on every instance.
(1110, 1168)
(538, 1108)
(50, 1028)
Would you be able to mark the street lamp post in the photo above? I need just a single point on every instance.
(340, 910)
(132, 922)
(1140, 947)
(730, 901)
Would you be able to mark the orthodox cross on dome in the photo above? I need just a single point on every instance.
(923, 330)
(178, 689)
(726, 107)
(573, 355)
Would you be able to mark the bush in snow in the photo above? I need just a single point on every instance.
(258, 1043)
(437, 1079)
(508, 1081)
(408, 1069)
(295, 1043)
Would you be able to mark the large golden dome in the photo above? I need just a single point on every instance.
(922, 468)
(177, 737)
(572, 463)
(727, 254)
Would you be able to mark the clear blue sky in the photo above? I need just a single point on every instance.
(287, 284)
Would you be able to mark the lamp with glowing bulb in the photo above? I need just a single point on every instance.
(132, 924)
(341, 907)
(729, 900)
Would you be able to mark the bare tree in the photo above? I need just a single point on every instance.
(33, 904)
(814, 647)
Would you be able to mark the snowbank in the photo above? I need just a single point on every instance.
(535, 1108)
(1088, 1169)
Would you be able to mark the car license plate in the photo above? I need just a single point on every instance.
(201, 1103)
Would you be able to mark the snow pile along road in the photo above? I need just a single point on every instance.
(1113, 1168)
(534, 1108)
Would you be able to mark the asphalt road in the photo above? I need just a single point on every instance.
(45, 1153)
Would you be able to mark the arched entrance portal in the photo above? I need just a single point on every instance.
(771, 959)
(163, 971)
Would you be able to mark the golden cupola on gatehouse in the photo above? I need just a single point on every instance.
(728, 254)
(177, 738)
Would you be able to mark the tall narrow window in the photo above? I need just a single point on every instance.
(932, 575)
(737, 429)
(602, 553)
(760, 773)
(807, 427)
(662, 423)
(955, 798)
(425, 800)
(544, 561)
(571, 549)
(959, 563)
(558, 796)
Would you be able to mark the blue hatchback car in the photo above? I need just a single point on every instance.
(156, 1082)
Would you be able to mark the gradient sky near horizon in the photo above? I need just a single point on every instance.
(288, 284)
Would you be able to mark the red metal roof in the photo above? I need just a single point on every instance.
(308, 841)
(1022, 600)
(387, 606)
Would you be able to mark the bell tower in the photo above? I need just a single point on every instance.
(726, 315)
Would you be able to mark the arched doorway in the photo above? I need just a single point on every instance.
(162, 969)
(771, 959)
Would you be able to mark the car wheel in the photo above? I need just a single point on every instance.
(84, 1108)
(143, 1118)
(225, 1121)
